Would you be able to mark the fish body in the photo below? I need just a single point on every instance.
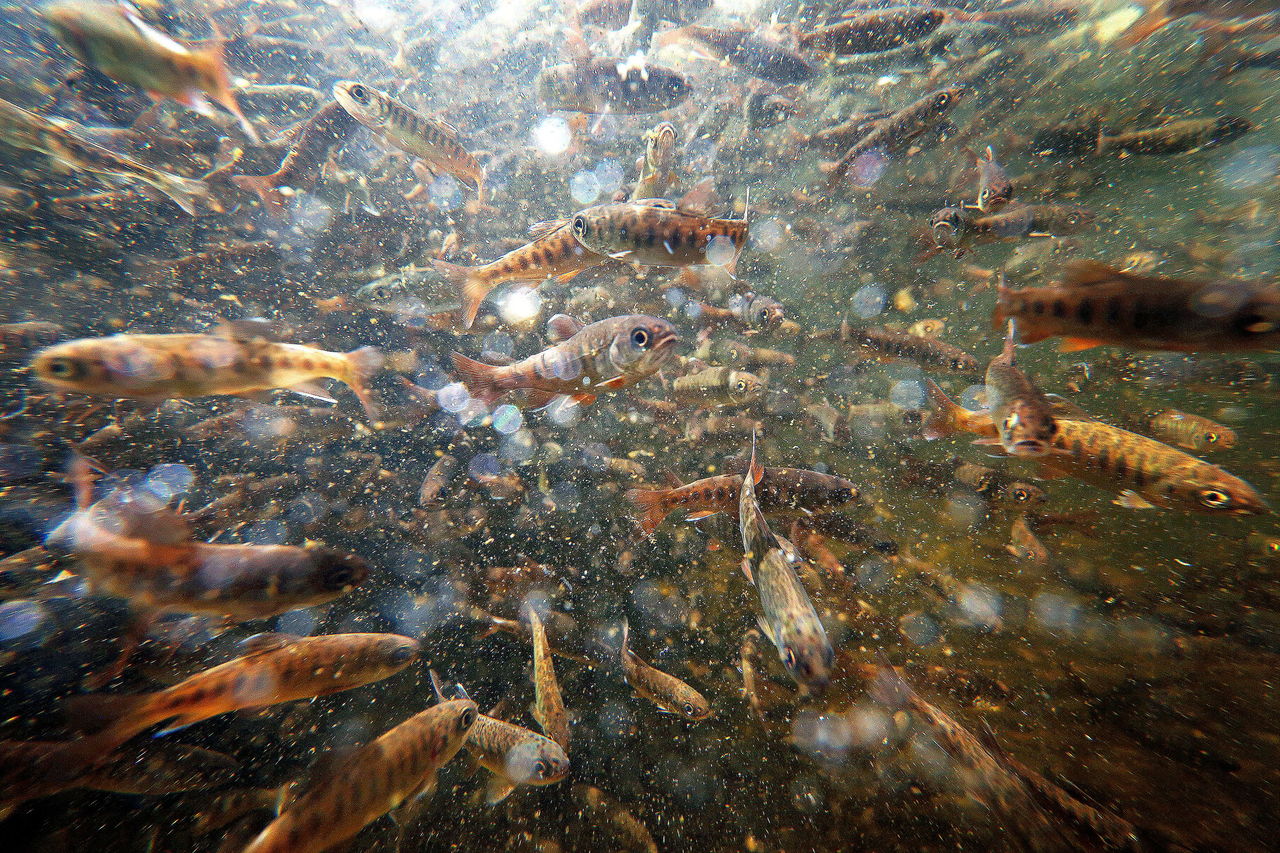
(431, 140)
(515, 756)
(655, 232)
(111, 38)
(555, 253)
(548, 708)
(300, 169)
(894, 133)
(398, 294)
(604, 356)
(376, 778)
(1025, 545)
(67, 148)
(719, 386)
(658, 168)
(1118, 460)
(957, 229)
(1194, 432)
(662, 689)
(1095, 304)
(748, 52)
(788, 617)
(873, 32)
(437, 479)
(1176, 137)
(995, 190)
(779, 490)
(737, 352)
(162, 367)
(605, 84)
(929, 353)
(1021, 412)
(1158, 14)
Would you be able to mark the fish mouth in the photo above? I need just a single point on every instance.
(665, 340)
(1027, 447)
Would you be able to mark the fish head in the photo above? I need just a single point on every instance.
(943, 101)
(642, 344)
(805, 652)
(948, 226)
(1027, 429)
(765, 312)
(690, 704)
(536, 760)
(1026, 494)
(393, 651)
(1217, 492)
(745, 387)
(381, 291)
(337, 572)
(363, 102)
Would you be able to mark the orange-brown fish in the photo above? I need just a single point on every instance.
(956, 229)
(1194, 432)
(1112, 458)
(662, 689)
(429, 139)
(548, 707)
(393, 769)
(1025, 545)
(779, 490)
(300, 169)
(439, 477)
(113, 39)
(1022, 414)
(1094, 305)
(895, 132)
(656, 232)
(604, 356)
(1158, 14)
(929, 353)
(554, 253)
(239, 360)
(753, 311)
(658, 166)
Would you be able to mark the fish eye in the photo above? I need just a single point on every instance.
(540, 768)
(640, 337)
(1211, 437)
(63, 368)
(740, 386)
(467, 719)
(403, 654)
(579, 225)
(689, 710)
(1215, 498)
(1021, 495)
(359, 93)
(943, 100)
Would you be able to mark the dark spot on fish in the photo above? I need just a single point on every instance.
(1077, 448)
(1122, 465)
(307, 364)
(1037, 308)
(1084, 312)
(1059, 308)
(1104, 457)
(1115, 308)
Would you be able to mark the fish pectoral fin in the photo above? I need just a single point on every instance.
(1074, 344)
(540, 399)
(538, 230)
(614, 384)
(987, 441)
(561, 327)
(700, 514)
(313, 391)
(567, 276)
(746, 570)
(498, 790)
(1130, 499)
(583, 399)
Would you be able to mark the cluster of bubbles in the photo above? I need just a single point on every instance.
(589, 185)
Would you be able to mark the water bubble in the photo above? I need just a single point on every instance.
(566, 496)
(1056, 613)
(980, 606)
(692, 309)
(307, 508)
(609, 175)
(432, 377)
(826, 737)
(453, 397)
(564, 366)
(552, 136)
(874, 575)
(919, 628)
(445, 192)
(721, 251)
(23, 624)
(519, 305)
(483, 465)
(584, 187)
(868, 169)
(170, 479)
(473, 413)
(965, 510)
(518, 447)
(674, 296)
(507, 419)
(868, 301)
(907, 395)
(768, 235)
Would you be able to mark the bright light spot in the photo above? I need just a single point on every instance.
(24, 622)
(552, 136)
(311, 213)
(584, 187)
(445, 192)
(520, 305)
(768, 234)
(453, 397)
(674, 296)
(609, 175)
(563, 412)
(1249, 167)
(507, 419)
(980, 606)
(377, 16)
(721, 251)
(907, 395)
(869, 300)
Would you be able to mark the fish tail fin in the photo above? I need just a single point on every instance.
(478, 377)
(214, 68)
(265, 187)
(944, 413)
(1154, 17)
(184, 192)
(98, 713)
(649, 507)
(472, 287)
(1001, 313)
(363, 363)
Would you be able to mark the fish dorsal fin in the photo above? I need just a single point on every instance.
(673, 481)
(538, 230)
(663, 203)
(561, 327)
(266, 642)
(1086, 273)
(462, 692)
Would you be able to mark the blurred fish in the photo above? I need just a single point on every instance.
(718, 386)
(895, 132)
(743, 49)
(1025, 546)
(68, 150)
(955, 229)
(666, 691)
(754, 311)
(397, 294)
(112, 38)
(608, 84)
(995, 190)
(929, 353)
(1193, 432)
(431, 140)
(1157, 14)
(238, 360)
(300, 169)
(658, 233)
(604, 356)
(1022, 414)
(20, 338)
(1095, 305)
(658, 167)
(548, 708)
(437, 479)
(875, 31)
(393, 769)
(605, 810)
(788, 618)
(1176, 137)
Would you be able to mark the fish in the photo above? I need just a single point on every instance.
(513, 754)
(788, 617)
(1095, 305)
(998, 486)
(1025, 545)
(548, 708)
(1021, 412)
(662, 689)
(779, 490)
(147, 556)
(995, 189)
(658, 167)
(113, 39)
(607, 355)
(431, 140)
(20, 338)
(1193, 432)
(397, 294)
(612, 85)
(719, 386)
(893, 133)
(1157, 14)
(743, 49)
(875, 31)
(656, 232)
(607, 811)
(554, 252)
(238, 360)
(393, 769)
(330, 127)
(66, 148)
(754, 311)
(276, 668)
(929, 353)
(1176, 137)
(1118, 460)
(955, 229)
(739, 353)
(438, 478)
(1034, 17)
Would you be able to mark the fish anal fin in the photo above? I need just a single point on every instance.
(1077, 344)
